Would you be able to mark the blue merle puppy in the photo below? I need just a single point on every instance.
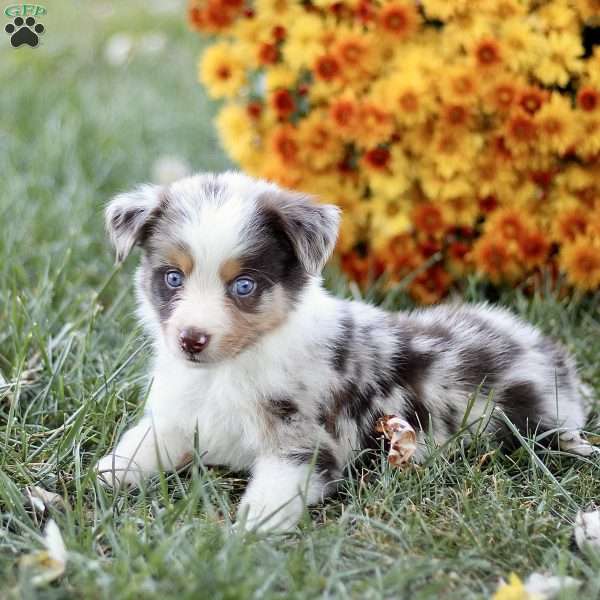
(272, 374)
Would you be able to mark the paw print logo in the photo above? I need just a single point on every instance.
(24, 32)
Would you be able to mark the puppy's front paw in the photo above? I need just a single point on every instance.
(116, 471)
(265, 518)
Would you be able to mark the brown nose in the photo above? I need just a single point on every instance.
(193, 340)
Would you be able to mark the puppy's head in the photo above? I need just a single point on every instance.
(225, 258)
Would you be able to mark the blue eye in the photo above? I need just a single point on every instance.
(243, 286)
(174, 279)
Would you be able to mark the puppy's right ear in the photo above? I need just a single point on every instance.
(128, 216)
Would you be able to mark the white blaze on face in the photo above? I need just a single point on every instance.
(214, 233)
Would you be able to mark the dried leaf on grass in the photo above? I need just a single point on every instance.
(402, 438)
(41, 500)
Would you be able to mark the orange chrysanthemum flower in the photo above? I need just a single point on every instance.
(520, 129)
(533, 248)
(254, 109)
(428, 219)
(488, 203)
(345, 115)
(327, 67)
(268, 54)
(399, 19)
(455, 115)
(283, 103)
(581, 263)
(356, 53)
(378, 125)
(493, 259)
(487, 53)
(571, 223)
(284, 143)
(431, 286)
(588, 99)
(365, 11)
(531, 99)
(377, 159)
(502, 96)
(459, 85)
(508, 224)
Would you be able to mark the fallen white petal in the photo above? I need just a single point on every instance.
(118, 49)
(54, 542)
(546, 586)
(47, 565)
(587, 529)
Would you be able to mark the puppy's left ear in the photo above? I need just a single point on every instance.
(311, 227)
(128, 216)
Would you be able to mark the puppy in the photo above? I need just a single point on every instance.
(271, 374)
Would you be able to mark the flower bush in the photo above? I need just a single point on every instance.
(458, 136)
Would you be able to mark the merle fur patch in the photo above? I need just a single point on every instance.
(323, 458)
(282, 408)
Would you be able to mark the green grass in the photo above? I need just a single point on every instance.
(73, 131)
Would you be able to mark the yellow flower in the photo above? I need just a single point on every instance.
(588, 8)
(408, 95)
(588, 142)
(503, 9)
(280, 76)
(393, 181)
(558, 15)
(593, 68)
(459, 84)
(461, 34)
(560, 58)
(388, 220)
(513, 590)
(250, 32)
(524, 45)
(556, 124)
(460, 210)
(377, 125)
(357, 52)
(436, 187)
(455, 152)
(320, 147)
(493, 178)
(222, 71)
(237, 133)
(276, 10)
(581, 181)
(444, 10)
(304, 42)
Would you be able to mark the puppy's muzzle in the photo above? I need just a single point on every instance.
(193, 341)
